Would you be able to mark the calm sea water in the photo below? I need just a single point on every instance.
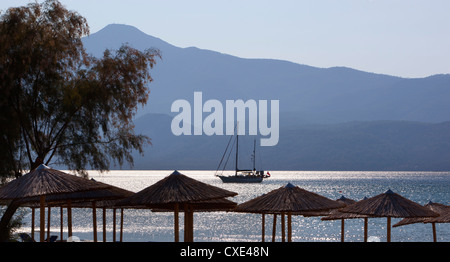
(143, 225)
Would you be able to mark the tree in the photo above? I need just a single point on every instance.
(60, 105)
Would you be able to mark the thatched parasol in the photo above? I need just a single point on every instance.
(173, 191)
(102, 198)
(336, 214)
(342, 199)
(176, 188)
(435, 207)
(444, 217)
(441, 209)
(221, 204)
(389, 204)
(105, 199)
(44, 182)
(288, 199)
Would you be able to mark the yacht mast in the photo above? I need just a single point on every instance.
(237, 147)
(254, 155)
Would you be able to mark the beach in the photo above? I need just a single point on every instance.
(144, 225)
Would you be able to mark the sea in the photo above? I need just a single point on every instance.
(141, 225)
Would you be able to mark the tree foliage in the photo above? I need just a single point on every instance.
(60, 104)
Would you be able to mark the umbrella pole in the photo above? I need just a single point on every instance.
(274, 227)
(69, 218)
(366, 222)
(283, 233)
(61, 222)
(42, 218)
(263, 229)
(433, 225)
(388, 229)
(94, 219)
(114, 225)
(121, 224)
(289, 227)
(188, 224)
(32, 222)
(191, 224)
(342, 230)
(104, 224)
(177, 236)
(48, 223)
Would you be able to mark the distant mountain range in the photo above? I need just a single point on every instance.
(314, 94)
(330, 118)
(368, 145)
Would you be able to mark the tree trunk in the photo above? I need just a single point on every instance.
(12, 208)
(36, 163)
(6, 218)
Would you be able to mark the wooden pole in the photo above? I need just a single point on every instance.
(188, 223)
(191, 223)
(263, 229)
(176, 225)
(114, 225)
(274, 227)
(366, 223)
(48, 223)
(33, 211)
(283, 234)
(289, 227)
(69, 218)
(121, 224)
(433, 225)
(42, 218)
(388, 229)
(104, 224)
(342, 229)
(61, 223)
(94, 219)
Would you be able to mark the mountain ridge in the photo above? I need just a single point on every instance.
(332, 94)
(351, 146)
(335, 118)
(114, 27)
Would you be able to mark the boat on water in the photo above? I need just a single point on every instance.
(250, 176)
(243, 175)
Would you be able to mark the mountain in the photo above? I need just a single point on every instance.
(360, 145)
(330, 118)
(324, 95)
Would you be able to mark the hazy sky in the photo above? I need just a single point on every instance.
(409, 38)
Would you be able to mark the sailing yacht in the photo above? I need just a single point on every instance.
(243, 175)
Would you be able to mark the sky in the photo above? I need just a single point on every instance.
(407, 38)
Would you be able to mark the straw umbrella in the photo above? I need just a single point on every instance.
(104, 199)
(173, 192)
(221, 204)
(84, 199)
(336, 214)
(444, 217)
(288, 199)
(112, 204)
(44, 182)
(441, 209)
(389, 204)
